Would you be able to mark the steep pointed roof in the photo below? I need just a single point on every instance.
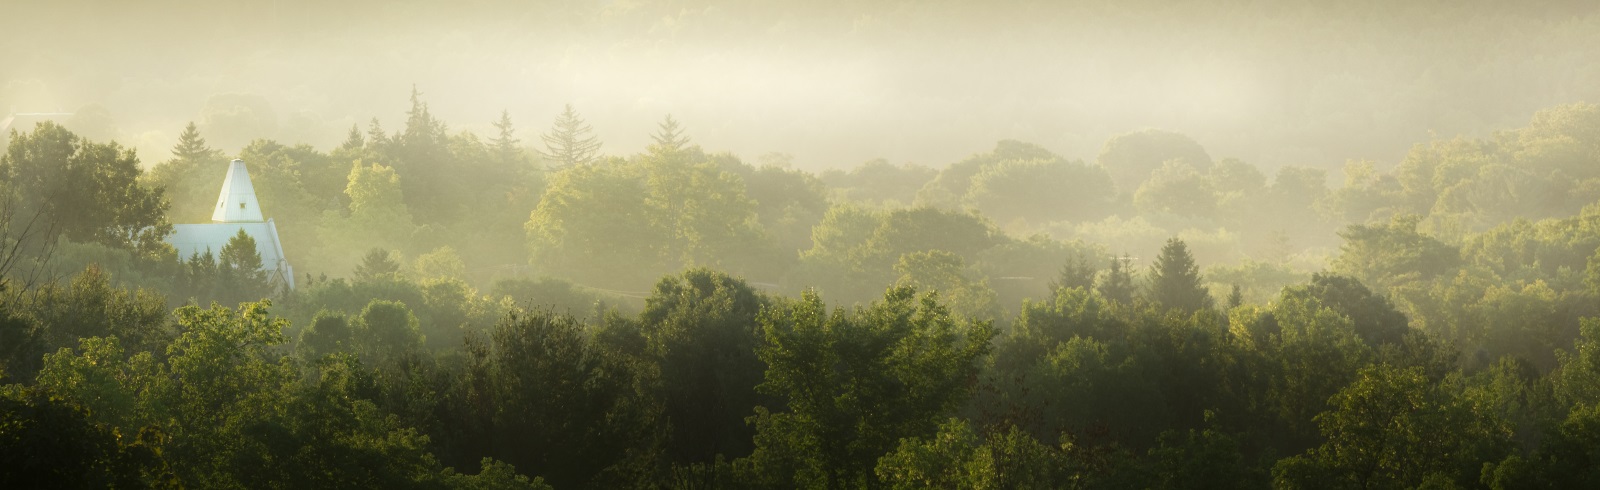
(237, 203)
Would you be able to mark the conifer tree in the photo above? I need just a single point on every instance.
(1076, 273)
(505, 144)
(377, 264)
(1117, 284)
(670, 137)
(354, 141)
(376, 138)
(570, 142)
(192, 147)
(1175, 280)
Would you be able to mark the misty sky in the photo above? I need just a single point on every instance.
(832, 83)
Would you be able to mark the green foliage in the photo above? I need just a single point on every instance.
(621, 223)
(83, 191)
(1175, 280)
(944, 273)
(46, 442)
(1040, 191)
(954, 458)
(699, 331)
(586, 405)
(1385, 255)
(377, 265)
(378, 215)
(387, 329)
(442, 263)
(569, 142)
(90, 306)
(856, 383)
(329, 332)
(1131, 158)
(1177, 188)
(878, 181)
(954, 182)
(1372, 316)
(1117, 283)
(1393, 428)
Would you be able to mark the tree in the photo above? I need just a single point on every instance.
(1041, 191)
(1075, 273)
(1130, 158)
(669, 137)
(1176, 188)
(1117, 283)
(377, 265)
(378, 214)
(85, 191)
(956, 458)
(948, 188)
(434, 178)
(699, 329)
(593, 224)
(569, 143)
(857, 383)
(937, 271)
(505, 141)
(1388, 254)
(192, 147)
(242, 274)
(586, 405)
(329, 332)
(1235, 297)
(1374, 317)
(48, 442)
(441, 264)
(1175, 280)
(387, 329)
(1392, 428)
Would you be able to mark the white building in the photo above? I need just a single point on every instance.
(237, 209)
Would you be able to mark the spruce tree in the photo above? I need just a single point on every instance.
(1175, 280)
(192, 147)
(376, 138)
(670, 138)
(354, 141)
(1117, 284)
(377, 264)
(1076, 273)
(505, 144)
(570, 142)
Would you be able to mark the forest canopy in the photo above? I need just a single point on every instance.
(1295, 291)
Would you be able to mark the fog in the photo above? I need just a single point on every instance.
(831, 84)
(1288, 244)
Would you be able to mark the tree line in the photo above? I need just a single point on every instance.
(883, 326)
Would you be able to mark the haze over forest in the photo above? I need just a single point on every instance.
(831, 83)
(492, 244)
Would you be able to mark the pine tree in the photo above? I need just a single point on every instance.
(1175, 280)
(192, 147)
(505, 144)
(1235, 297)
(570, 142)
(377, 264)
(354, 141)
(1074, 274)
(376, 138)
(1117, 284)
(670, 138)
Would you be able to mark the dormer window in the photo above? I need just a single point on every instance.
(241, 205)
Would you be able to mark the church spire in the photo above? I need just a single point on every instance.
(237, 203)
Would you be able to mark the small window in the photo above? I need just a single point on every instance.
(241, 205)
